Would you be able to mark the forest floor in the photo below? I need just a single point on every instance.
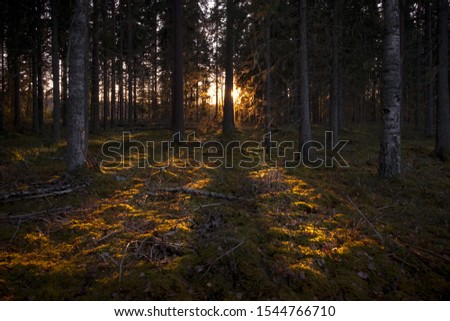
(285, 234)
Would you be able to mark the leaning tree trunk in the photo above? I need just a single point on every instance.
(55, 72)
(177, 95)
(228, 108)
(389, 162)
(305, 123)
(76, 111)
(442, 115)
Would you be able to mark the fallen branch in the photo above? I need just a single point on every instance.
(185, 190)
(366, 219)
(44, 191)
(33, 215)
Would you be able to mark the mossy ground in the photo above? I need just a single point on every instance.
(294, 234)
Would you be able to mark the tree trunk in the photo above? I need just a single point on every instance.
(64, 88)
(129, 64)
(95, 126)
(389, 162)
(34, 83)
(305, 123)
(55, 72)
(228, 108)
(76, 113)
(178, 108)
(418, 109)
(2, 92)
(16, 75)
(113, 68)
(120, 72)
(430, 67)
(442, 115)
(336, 81)
(267, 113)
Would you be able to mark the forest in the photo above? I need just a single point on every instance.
(224, 150)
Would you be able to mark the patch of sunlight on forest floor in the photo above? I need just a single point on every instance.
(292, 233)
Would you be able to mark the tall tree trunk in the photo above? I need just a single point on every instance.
(305, 123)
(155, 69)
(267, 111)
(34, 83)
(216, 58)
(95, 120)
(442, 115)
(177, 94)
(40, 85)
(64, 88)
(419, 99)
(16, 75)
(389, 162)
(129, 64)
(2, 91)
(228, 108)
(76, 113)
(120, 70)
(55, 72)
(106, 103)
(113, 68)
(402, 15)
(430, 67)
(336, 82)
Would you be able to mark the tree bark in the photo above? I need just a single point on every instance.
(2, 92)
(34, 82)
(430, 67)
(55, 72)
(106, 103)
(76, 113)
(336, 81)
(268, 76)
(389, 162)
(130, 64)
(113, 68)
(95, 126)
(177, 95)
(228, 108)
(16, 96)
(304, 117)
(419, 97)
(64, 88)
(443, 113)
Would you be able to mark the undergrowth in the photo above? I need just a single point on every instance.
(292, 234)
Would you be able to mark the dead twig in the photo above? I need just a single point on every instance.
(206, 205)
(107, 235)
(122, 261)
(366, 219)
(185, 190)
(221, 257)
(17, 230)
